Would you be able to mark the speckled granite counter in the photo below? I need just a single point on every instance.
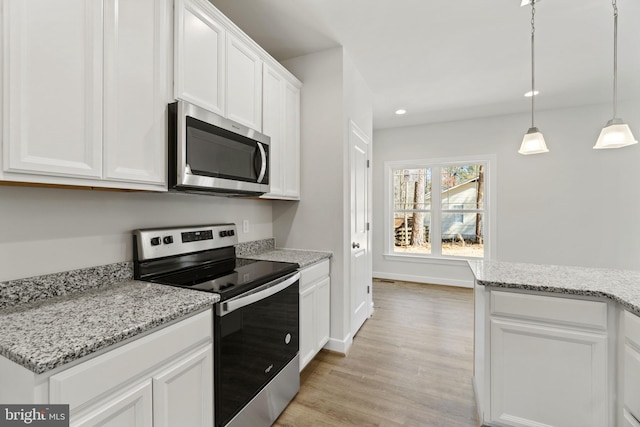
(296, 256)
(55, 330)
(622, 286)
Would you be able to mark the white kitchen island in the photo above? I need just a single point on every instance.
(556, 346)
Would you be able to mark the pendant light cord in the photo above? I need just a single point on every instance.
(533, 81)
(615, 59)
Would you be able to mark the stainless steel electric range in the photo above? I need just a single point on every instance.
(256, 337)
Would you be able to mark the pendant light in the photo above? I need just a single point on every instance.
(533, 142)
(616, 133)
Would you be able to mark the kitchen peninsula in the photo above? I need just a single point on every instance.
(556, 346)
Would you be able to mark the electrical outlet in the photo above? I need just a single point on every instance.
(245, 226)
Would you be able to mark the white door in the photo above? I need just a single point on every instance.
(359, 147)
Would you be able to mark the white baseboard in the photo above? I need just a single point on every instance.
(339, 346)
(424, 279)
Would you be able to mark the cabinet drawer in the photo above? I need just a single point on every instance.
(313, 273)
(90, 379)
(567, 311)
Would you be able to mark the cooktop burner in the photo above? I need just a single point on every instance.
(201, 258)
(248, 275)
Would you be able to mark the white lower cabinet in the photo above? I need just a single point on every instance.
(315, 293)
(132, 407)
(631, 370)
(183, 392)
(164, 379)
(548, 362)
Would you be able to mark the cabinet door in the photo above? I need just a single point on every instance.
(543, 375)
(244, 84)
(323, 309)
(183, 393)
(53, 79)
(136, 86)
(291, 142)
(631, 380)
(281, 121)
(272, 126)
(199, 56)
(129, 408)
(307, 325)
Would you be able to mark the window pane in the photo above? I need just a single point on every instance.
(410, 239)
(411, 188)
(462, 187)
(462, 234)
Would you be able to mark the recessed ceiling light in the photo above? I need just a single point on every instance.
(401, 112)
(530, 94)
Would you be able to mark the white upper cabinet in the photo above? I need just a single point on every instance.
(244, 84)
(281, 122)
(215, 68)
(85, 92)
(272, 113)
(199, 56)
(291, 182)
(52, 105)
(136, 90)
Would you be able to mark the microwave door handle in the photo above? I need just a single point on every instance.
(263, 166)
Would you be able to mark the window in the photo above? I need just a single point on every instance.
(438, 208)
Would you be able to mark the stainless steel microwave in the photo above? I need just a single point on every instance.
(212, 154)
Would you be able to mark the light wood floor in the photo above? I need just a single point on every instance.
(410, 365)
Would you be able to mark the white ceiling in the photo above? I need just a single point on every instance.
(452, 60)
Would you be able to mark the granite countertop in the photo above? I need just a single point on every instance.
(296, 256)
(622, 286)
(49, 329)
(265, 250)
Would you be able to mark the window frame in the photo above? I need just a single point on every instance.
(436, 209)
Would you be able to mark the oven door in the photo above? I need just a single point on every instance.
(256, 336)
(211, 153)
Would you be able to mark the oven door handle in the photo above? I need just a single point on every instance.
(260, 293)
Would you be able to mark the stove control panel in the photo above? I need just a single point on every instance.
(163, 242)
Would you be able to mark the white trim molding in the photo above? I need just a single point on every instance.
(445, 281)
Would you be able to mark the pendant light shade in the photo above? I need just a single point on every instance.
(533, 143)
(616, 133)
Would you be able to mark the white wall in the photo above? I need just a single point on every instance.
(48, 230)
(332, 92)
(571, 206)
(315, 222)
